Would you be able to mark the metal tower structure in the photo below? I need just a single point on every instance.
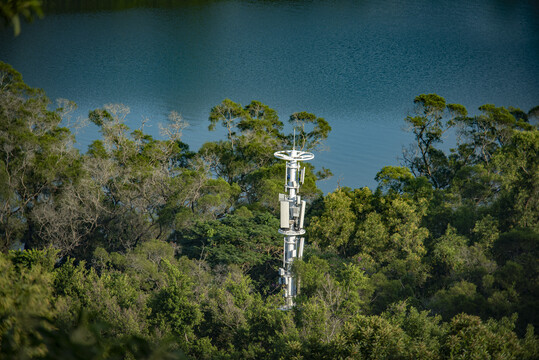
(292, 216)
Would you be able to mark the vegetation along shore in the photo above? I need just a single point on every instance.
(140, 248)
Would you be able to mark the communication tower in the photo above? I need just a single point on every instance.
(292, 216)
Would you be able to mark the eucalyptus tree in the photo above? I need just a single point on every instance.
(254, 133)
(302, 137)
(37, 159)
(432, 119)
(492, 129)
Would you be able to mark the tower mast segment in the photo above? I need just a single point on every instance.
(292, 217)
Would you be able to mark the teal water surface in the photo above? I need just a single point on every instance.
(359, 64)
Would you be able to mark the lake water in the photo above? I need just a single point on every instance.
(359, 64)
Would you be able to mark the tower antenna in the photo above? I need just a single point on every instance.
(292, 219)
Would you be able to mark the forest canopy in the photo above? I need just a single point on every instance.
(142, 248)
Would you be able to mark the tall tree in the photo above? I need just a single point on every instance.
(302, 137)
(37, 159)
(254, 133)
(432, 118)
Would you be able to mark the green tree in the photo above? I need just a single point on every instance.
(229, 114)
(372, 337)
(469, 338)
(11, 12)
(308, 140)
(147, 188)
(432, 119)
(424, 331)
(487, 132)
(519, 165)
(250, 242)
(460, 297)
(37, 159)
(335, 226)
(173, 308)
(254, 133)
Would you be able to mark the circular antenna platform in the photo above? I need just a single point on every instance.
(291, 232)
(290, 155)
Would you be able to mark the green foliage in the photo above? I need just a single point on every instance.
(358, 289)
(519, 164)
(33, 257)
(460, 297)
(372, 337)
(140, 248)
(25, 303)
(11, 12)
(248, 242)
(312, 274)
(86, 340)
(469, 338)
(517, 277)
(336, 225)
(173, 310)
(447, 255)
(394, 179)
(37, 159)
(423, 331)
(254, 134)
(432, 119)
(308, 140)
(382, 231)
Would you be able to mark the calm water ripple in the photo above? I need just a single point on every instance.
(359, 64)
